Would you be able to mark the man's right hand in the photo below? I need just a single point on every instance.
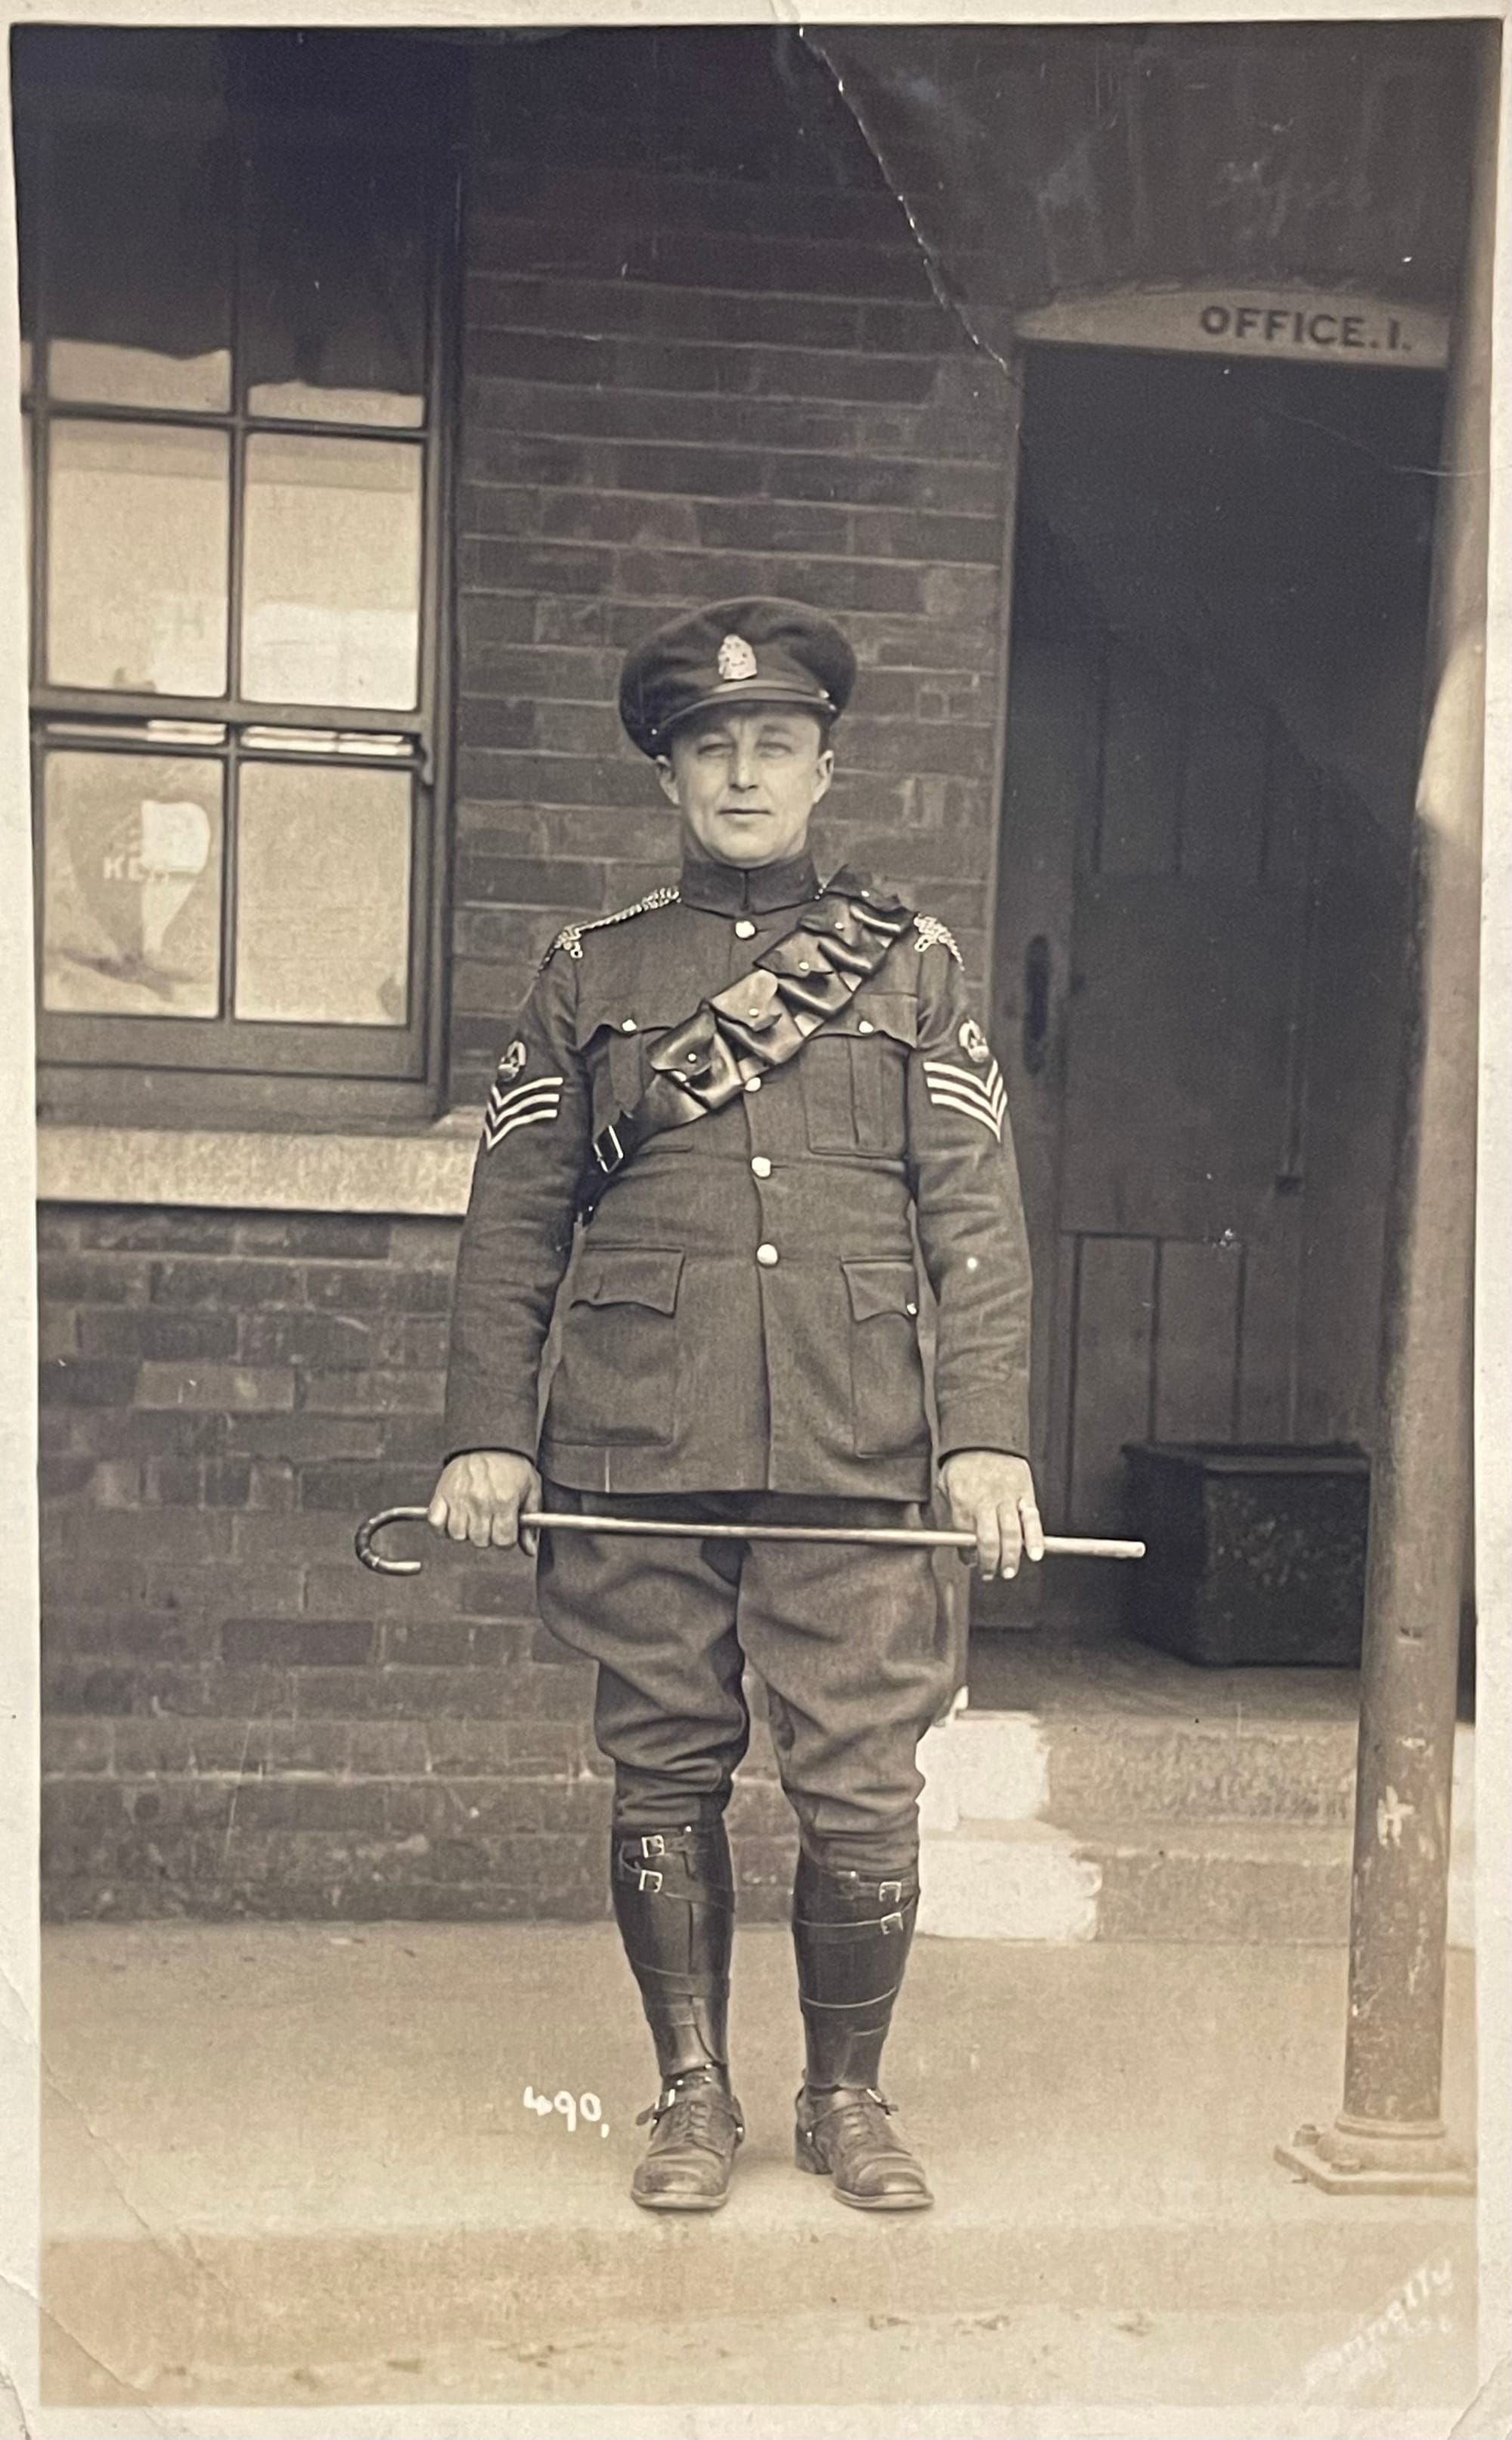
(479, 1497)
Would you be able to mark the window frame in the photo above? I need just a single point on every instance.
(177, 1069)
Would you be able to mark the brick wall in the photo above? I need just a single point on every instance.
(701, 357)
(239, 1720)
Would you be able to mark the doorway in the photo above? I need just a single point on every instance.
(1220, 599)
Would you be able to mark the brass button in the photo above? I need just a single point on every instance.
(745, 929)
(760, 1166)
(865, 1026)
(752, 1084)
(766, 1255)
(911, 1308)
(627, 1025)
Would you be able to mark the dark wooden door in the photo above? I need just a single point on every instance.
(1151, 974)
(1211, 739)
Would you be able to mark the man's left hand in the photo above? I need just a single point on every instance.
(991, 1496)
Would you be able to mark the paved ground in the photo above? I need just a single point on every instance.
(288, 2164)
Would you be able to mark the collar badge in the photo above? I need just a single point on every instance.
(736, 660)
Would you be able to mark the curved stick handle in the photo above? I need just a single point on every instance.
(374, 1525)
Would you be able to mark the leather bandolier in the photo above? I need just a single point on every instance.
(754, 1024)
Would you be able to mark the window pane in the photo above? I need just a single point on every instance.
(333, 300)
(139, 266)
(137, 557)
(331, 584)
(131, 885)
(323, 889)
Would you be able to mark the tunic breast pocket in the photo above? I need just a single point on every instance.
(616, 1382)
(855, 1077)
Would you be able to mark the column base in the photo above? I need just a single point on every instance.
(1359, 2155)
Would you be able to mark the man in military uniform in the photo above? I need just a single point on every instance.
(750, 1091)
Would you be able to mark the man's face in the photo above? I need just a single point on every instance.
(745, 782)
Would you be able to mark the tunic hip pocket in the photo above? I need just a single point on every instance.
(886, 1368)
(617, 1381)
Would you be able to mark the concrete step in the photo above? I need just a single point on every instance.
(1007, 1880)
(1219, 1880)
(1099, 1766)
(1206, 1770)
(1240, 1880)
(1144, 1880)
(1074, 1824)
(300, 2161)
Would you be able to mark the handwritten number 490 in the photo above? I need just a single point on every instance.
(586, 2108)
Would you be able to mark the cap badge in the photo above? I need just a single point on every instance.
(735, 660)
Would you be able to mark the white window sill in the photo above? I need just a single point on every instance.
(425, 1171)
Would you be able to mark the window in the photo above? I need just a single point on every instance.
(233, 271)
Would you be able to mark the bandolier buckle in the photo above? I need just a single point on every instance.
(608, 1150)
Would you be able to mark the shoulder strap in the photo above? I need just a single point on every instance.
(756, 1024)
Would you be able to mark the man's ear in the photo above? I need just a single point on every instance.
(663, 773)
(827, 772)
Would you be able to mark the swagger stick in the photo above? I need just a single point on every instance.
(885, 1537)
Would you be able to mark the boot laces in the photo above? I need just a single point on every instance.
(862, 2098)
(855, 2115)
(696, 2110)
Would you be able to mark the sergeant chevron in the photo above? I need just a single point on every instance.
(981, 1098)
(526, 1106)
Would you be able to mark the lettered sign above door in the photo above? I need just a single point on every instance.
(1300, 325)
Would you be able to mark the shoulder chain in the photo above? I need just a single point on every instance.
(932, 934)
(570, 938)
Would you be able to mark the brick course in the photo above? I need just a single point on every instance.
(687, 368)
(239, 1720)
(717, 370)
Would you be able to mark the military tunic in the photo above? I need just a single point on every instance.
(742, 1311)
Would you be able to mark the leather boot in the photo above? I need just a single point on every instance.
(675, 1902)
(852, 1936)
